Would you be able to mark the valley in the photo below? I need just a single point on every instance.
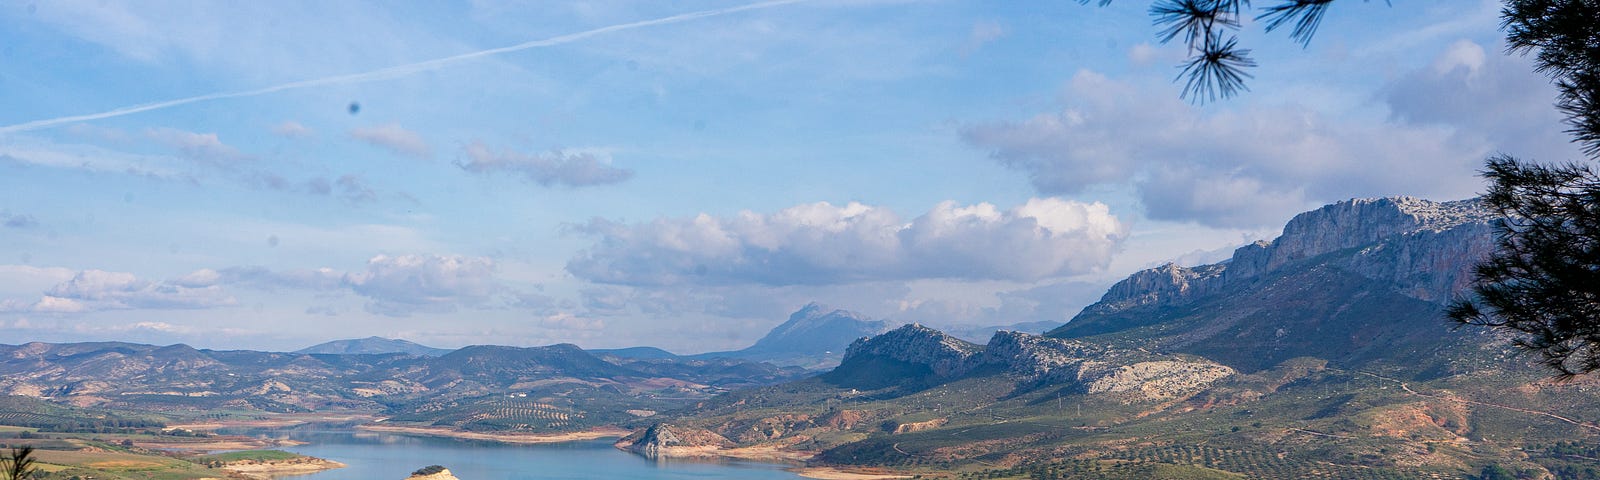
(1320, 354)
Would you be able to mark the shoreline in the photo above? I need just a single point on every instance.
(835, 473)
(773, 454)
(271, 470)
(514, 438)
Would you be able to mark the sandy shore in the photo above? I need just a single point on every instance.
(762, 453)
(270, 470)
(776, 454)
(593, 434)
(830, 473)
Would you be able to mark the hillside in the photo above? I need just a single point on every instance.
(484, 388)
(1321, 354)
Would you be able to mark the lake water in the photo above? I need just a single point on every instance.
(383, 456)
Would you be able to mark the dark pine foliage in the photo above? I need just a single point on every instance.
(19, 465)
(1543, 282)
(1218, 65)
(1542, 285)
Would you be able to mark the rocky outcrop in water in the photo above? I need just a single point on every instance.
(432, 472)
(665, 441)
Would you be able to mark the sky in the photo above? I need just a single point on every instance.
(684, 174)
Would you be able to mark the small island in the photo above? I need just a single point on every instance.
(432, 472)
(266, 464)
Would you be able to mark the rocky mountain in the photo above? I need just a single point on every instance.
(1421, 249)
(914, 357)
(373, 345)
(1320, 354)
(814, 337)
(1331, 286)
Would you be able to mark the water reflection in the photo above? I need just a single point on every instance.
(379, 456)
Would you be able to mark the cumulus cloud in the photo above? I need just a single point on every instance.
(1487, 98)
(97, 290)
(394, 138)
(1232, 168)
(556, 167)
(825, 244)
(401, 284)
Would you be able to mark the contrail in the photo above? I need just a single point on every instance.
(390, 72)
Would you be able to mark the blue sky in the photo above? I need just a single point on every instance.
(683, 174)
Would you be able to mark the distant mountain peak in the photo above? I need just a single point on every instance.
(373, 345)
(813, 333)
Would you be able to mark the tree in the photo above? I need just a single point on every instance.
(1217, 63)
(1495, 472)
(20, 465)
(1542, 284)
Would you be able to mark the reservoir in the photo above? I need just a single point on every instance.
(386, 456)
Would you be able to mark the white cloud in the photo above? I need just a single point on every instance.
(557, 167)
(97, 290)
(824, 244)
(1485, 98)
(1144, 53)
(568, 321)
(293, 129)
(206, 148)
(261, 277)
(19, 278)
(394, 138)
(1243, 167)
(399, 285)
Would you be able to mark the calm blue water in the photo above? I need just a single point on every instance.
(382, 456)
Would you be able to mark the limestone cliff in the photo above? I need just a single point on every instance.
(1424, 249)
(1353, 282)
